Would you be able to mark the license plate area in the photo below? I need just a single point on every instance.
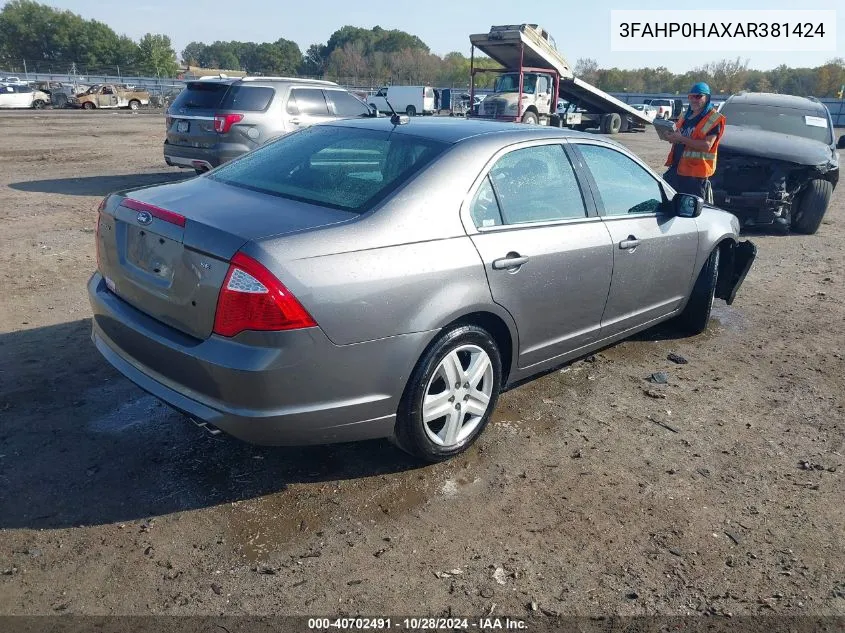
(153, 254)
(183, 127)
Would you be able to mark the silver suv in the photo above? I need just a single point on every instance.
(215, 120)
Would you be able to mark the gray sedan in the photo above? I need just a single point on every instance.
(387, 278)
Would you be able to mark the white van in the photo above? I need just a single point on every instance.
(411, 100)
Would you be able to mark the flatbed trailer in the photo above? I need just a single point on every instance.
(528, 49)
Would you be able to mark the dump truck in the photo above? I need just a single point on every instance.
(535, 77)
(110, 96)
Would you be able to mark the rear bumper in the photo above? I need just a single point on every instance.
(200, 157)
(285, 388)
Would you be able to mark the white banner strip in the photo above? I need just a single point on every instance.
(722, 30)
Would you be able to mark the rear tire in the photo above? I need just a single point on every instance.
(134, 104)
(812, 206)
(696, 314)
(411, 111)
(462, 367)
(610, 123)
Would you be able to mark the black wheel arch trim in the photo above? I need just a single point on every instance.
(735, 261)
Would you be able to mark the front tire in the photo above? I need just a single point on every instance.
(88, 106)
(450, 395)
(812, 206)
(411, 111)
(696, 314)
(530, 118)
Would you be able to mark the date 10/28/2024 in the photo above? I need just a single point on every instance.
(417, 624)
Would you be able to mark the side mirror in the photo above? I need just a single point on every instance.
(841, 143)
(687, 205)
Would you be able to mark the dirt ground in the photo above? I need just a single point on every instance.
(720, 493)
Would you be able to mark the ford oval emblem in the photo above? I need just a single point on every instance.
(144, 218)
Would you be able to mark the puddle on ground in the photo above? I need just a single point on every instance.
(260, 527)
(453, 485)
(729, 317)
(144, 411)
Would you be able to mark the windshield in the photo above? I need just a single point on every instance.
(338, 167)
(509, 82)
(810, 124)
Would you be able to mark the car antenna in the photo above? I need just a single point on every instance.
(397, 119)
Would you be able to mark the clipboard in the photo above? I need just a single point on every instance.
(663, 128)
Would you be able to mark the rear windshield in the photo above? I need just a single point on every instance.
(200, 95)
(810, 124)
(337, 167)
(249, 98)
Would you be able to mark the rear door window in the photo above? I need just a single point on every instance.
(199, 95)
(309, 101)
(346, 105)
(533, 184)
(248, 98)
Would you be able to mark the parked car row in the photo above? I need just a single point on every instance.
(15, 93)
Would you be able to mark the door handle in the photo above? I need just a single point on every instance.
(294, 120)
(513, 260)
(630, 244)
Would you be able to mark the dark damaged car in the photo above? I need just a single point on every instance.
(778, 164)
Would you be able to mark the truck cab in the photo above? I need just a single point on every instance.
(529, 106)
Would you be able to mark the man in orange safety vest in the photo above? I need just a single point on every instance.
(692, 159)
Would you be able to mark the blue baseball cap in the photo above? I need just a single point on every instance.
(700, 88)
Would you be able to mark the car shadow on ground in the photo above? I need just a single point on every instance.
(81, 445)
(100, 185)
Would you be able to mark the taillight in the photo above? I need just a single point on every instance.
(97, 230)
(168, 121)
(253, 299)
(154, 211)
(224, 122)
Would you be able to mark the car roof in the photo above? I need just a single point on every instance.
(266, 80)
(455, 130)
(779, 100)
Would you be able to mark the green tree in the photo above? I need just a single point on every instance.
(193, 53)
(156, 56)
(587, 69)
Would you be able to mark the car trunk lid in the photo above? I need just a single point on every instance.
(166, 250)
